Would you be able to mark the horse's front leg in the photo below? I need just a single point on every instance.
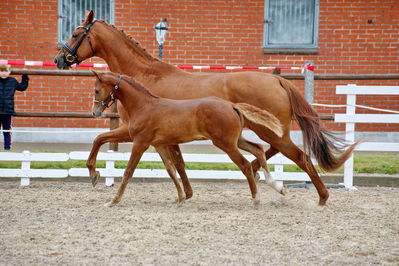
(137, 151)
(121, 134)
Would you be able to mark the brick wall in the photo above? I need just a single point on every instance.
(354, 37)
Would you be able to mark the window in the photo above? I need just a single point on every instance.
(291, 26)
(71, 13)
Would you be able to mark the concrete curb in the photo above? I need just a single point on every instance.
(364, 180)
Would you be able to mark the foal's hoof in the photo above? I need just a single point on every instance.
(256, 200)
(256, 177)
(95, 178)
(180, 202)
(109, 204)
(189, 194)
(322, 202)
(280, 188)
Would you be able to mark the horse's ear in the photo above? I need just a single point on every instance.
(89, 17)
(96, 74)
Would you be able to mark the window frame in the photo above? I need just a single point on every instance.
(290, 48)
(62, 17)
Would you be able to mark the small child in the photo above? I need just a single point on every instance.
(8, 86)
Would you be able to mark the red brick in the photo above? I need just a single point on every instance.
(207, 32)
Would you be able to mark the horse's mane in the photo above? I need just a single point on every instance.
(135, 44)
(137, 85)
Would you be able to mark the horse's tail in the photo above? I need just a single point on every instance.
(260, 117)
(317, 141)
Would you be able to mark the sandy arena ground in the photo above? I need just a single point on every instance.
(65, 223)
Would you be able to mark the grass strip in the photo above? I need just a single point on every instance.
(381, 163)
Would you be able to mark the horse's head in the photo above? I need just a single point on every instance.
(104, 89)
(78, 47)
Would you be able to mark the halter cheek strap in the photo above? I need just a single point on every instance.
(111, 96)
(72, 56)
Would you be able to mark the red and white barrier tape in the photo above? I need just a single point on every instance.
(41, 63)
(95, 65)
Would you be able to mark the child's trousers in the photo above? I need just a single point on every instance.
(6, 123)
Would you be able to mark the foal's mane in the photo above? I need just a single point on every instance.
(138, 86)
(133, 42)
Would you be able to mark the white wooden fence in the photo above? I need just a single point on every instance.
(351, 118)
(110, 172)
(26, 157)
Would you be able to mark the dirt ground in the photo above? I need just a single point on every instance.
(65, 223)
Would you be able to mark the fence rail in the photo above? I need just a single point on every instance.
(64, 115)
(105, 115)
(88, 73)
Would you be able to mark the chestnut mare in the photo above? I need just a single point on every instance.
(159, 121)
(266, 91)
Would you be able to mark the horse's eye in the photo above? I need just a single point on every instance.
(96, 92)
(74, 35)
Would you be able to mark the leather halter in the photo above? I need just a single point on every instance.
(110, 96)
(72, 56)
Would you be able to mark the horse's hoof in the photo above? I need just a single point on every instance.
(189, 195)
(256, 200)
(283, 191)
(109, 204)
(256, 203)
(180, 201)
(322, 202)
(95, 178)
(256, 177)
(279, 188)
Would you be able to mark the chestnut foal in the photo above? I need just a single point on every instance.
(159, 121)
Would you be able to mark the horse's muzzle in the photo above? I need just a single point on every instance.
(97, 113)
(60, 61)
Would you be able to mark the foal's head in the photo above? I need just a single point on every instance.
(104, 91)
(79, 46)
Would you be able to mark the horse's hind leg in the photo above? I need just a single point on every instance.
(269, 153)
(290, 150)
(258, 151)
(166, 156)
(120, 134)
(181, 169)
(244, 166)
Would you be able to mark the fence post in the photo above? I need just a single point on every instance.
(114, 123)
(279, 171)
(309, 83)
(109, 166)
(25, 167)
(276, 72)
(350, 138)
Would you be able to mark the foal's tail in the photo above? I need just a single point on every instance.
(260, 117)
(317, 141)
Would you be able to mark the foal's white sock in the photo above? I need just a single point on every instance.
(272, 183)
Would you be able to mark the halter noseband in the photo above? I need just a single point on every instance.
(110, 96)
(72, 56)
